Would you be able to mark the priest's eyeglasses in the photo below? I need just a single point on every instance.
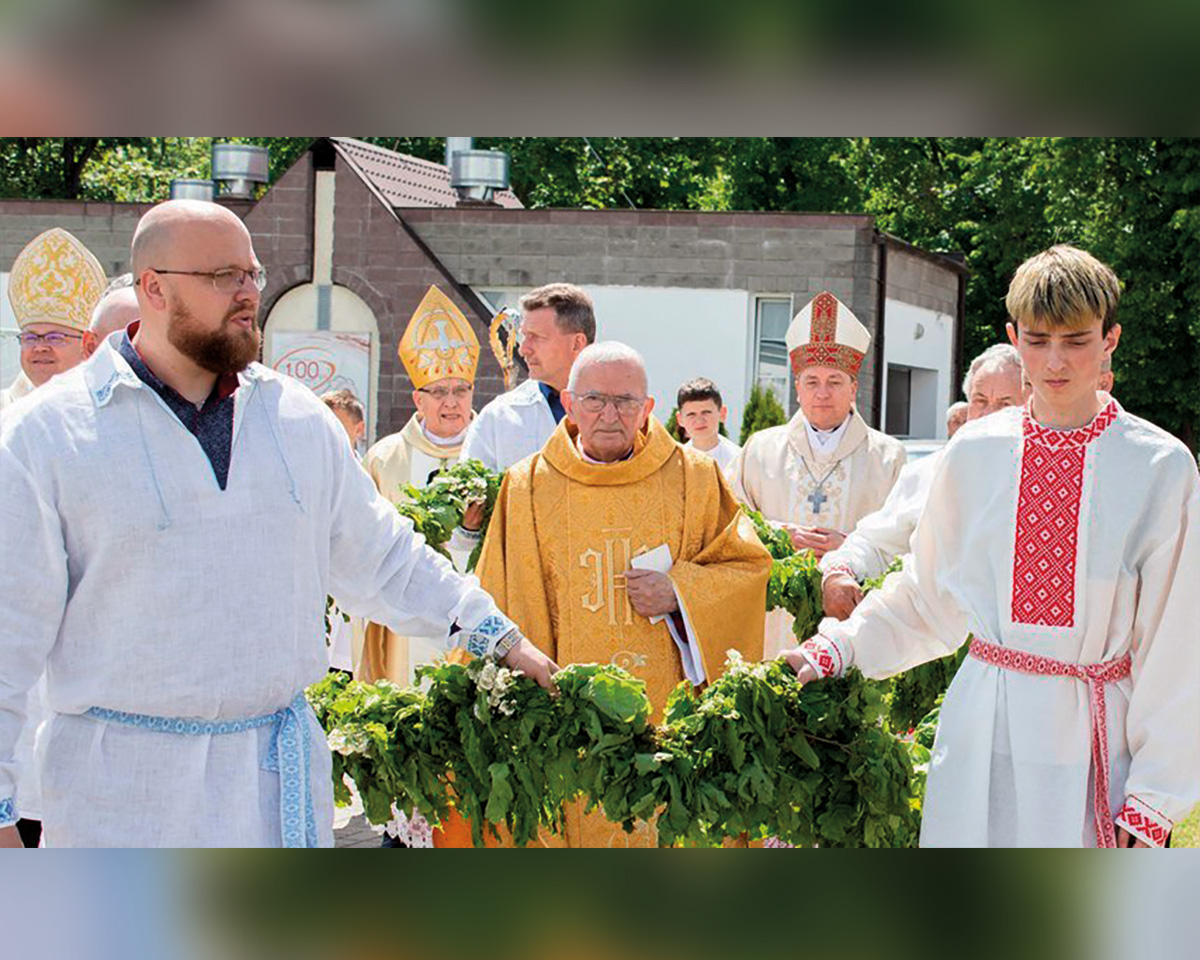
(228, 280)
(596, 402)
(441, 394)
(52, 339)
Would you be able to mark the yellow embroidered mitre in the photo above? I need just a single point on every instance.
(439, 342)
(55, 279)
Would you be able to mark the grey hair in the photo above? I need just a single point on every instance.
(959, 406)
(606, 351)
(999, 356)
(118, 283)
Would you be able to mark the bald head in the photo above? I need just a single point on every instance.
(608, 353)
(117, 309)
(167, 227)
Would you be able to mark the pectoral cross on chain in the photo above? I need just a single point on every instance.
(817, 498)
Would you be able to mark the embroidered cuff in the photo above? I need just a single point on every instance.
(824, 656)
(838, 566)
(481, 641)
(1144, 822)
(8, 812)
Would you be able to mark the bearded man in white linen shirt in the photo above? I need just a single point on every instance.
(183, 512)
(992, 383)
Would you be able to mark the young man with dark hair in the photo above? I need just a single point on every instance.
(1064, 537)
(701, 414)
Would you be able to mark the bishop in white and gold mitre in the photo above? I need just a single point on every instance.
(826, 334)
(54, 286)
(440, 351)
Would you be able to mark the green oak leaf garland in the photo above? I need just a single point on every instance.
(755, 755)
(437, 509)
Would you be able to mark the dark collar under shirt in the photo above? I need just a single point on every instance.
(211, 423)
(555, 401)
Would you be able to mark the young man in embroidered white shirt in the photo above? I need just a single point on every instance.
(1065, 537)
(174, 566)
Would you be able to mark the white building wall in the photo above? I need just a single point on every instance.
(681, 333)
(10, 350)
(924, 340)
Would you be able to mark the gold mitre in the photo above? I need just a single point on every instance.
(826, 334)
(439, 342)
(55, 279)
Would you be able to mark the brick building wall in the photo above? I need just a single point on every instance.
(765, 253)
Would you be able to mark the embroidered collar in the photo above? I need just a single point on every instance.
(1063, 439)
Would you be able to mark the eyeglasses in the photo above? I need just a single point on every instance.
(596, 402)
(228, 280)
(49, 339)
(441, 394)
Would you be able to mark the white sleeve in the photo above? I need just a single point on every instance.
(1163, 784)
(33, 597)
(480, 441)
(382, 570)
(913, 618)
(881, 536)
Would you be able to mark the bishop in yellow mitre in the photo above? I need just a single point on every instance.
(440, 351)
(614, 544)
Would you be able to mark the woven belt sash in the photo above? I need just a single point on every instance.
(288, 755)
(1096, 676)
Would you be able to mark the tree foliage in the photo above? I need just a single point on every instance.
(763, 410)
(1133, 201)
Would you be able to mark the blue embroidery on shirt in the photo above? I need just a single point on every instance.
(289, 755)
(8, 812)
(491, 629)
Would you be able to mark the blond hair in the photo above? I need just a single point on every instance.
(1064, 287)
(346, 402)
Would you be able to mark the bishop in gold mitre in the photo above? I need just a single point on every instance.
(440, 351)
(614, 544)
(819, 474)
(54, 286)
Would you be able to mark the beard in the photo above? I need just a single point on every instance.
(228, 349)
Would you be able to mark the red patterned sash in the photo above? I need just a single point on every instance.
(1096, 676)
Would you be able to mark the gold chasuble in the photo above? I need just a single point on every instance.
(562, 536)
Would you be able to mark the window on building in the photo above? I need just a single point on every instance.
(499, 299)
(772, 368)
(899, 400)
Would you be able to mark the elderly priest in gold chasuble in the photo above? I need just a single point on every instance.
(614, 544)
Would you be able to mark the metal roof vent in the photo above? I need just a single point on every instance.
(476, 175)
(192, 190)
(238, 169)
(457, 145)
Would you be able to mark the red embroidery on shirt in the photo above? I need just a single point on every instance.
(824, 656)
(1141, 818)
(1045, 551)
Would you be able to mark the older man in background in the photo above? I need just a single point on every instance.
(117, 309)
(956, 416)
(993, 382)
(614, 544)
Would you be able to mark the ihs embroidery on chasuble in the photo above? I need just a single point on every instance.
(606, 565)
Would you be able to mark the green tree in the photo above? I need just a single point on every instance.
(763, 410)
